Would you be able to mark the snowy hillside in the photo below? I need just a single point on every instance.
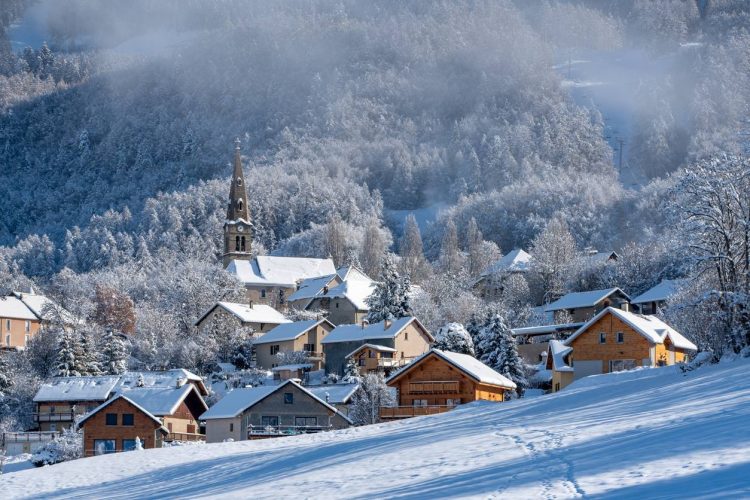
(648, 434)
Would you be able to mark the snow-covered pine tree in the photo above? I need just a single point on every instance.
(371, 395)
(390, 299)
(5, 379)
(454, 337)
(87, 354)
(511, 364)
(66, 363)
(114, 354)
(351, 372)
(499, 351)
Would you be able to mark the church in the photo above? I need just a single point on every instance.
(269, 280)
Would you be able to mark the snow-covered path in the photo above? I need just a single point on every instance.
(651, 433)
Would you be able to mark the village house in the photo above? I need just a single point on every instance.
(117, 425)
(300, 336)
(438, 381)
(490, 283)
(61, 399)
(270, 411)
(373, 358)
(260, 317)
(23, 313)
(558, 364)
(616, 340)
(407, 336)
(268, 280)
(343, 297)
(654, 299)
(582, 306)
(533, 340)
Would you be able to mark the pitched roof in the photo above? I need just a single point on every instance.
(279, 271)
(374, 347)
(467, 364)
(335, 394)
(290, 331)
(122, 396)
(161, 401)
(660, 292)
(582, 299)
(239, 400)
(14, 308)
(546, 329)
(515, 260)
(651, 327)
(558, 350)
(256, 313)
(311, 287)
(356, 291)
(39, 305)
(99, 388)
(355, 333)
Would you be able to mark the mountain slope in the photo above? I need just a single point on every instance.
(652, 433)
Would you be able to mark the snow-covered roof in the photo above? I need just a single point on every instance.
(355, 333)
(311, 287)
(558, 351)
(660, 292)
(335, 394)
(374, 347)
(546, 329)
(14, 308)
(294, 367)
(239, 400)
(467, 364)
(602, 257)
(357, 291)
(516, 260)
(160, 401)
(39, 305)
(99, 388)
(651, 327)
(289, 331)
(77, 388)
(126, 398)
(279, 271)
(582, 299)
(256, 313)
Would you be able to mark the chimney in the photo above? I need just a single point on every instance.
(325, 290)
(387, 324)
(365, 323)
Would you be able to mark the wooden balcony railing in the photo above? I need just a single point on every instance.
(387, 412)
(28, 437)
(63, 416)
(434, 387)
(184, 436)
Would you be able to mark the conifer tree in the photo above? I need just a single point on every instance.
(453, 337)
(411, 250)
(114, 354)
(450, 255)
(351, 372)
(87, 355)
(499, 351)
(5, 379)
(390, 300)
(66, 363)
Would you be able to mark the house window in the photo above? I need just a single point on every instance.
(128, 419)
(419, 402)
(28, 326)
(620, 337)
(26, 339)
(104, 446)
(602, 338)
(128, 444)
(362, 361)
(618, 365)
(305, 421)
(231, 427)
(274, 350)
(406, 335)
(453, 402)
(288, 398)
(267, 421)
(263, 293)
(337, 305)
(7, 325)
(309, 347)
(111, 418)
(7, 340)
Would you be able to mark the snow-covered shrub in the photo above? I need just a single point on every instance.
(371, 395)
(67, 446)
(454, 337)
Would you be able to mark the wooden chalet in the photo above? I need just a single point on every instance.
(438, 381)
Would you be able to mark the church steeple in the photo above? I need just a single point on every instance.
(238, 226)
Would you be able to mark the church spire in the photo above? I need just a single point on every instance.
(238, 227)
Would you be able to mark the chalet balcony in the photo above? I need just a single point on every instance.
(184, 436)
(63, 416)
(27, 437)
(392, 412)
(435, 387)
(268, 431)
(314, 355)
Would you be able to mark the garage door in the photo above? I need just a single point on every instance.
(586, 368)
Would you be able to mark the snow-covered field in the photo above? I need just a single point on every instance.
(653, 433)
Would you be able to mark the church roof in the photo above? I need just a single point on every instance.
(279, 271)
(237, 207)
